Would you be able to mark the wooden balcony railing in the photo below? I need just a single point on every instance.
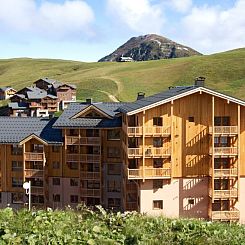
(157, 131)
(90, 192)
(131, 206)
(233, 193)
(37, 190)
(135, 152)
(148, 131)
(228, 172)
(90, 158)
(157, 152)
(33, 173)
(72, 157)
(90, 175)
(134, 131)
(225, 130)
(226, 215)
(149, 173)
(32, 156)
(224, 151)
(75, 140)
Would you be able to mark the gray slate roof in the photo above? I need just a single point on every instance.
(56, 83)
(16, 105)
(15, 129)
(110, 108)
(5, 88)
(155, 98)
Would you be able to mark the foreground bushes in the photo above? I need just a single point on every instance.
(85, 226)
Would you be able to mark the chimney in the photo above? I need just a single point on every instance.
(89, 101)
(140, 95)
(200, 81)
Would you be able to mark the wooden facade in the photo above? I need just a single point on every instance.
(179, 157)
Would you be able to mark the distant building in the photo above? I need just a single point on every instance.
(125, 59)
(6, 93)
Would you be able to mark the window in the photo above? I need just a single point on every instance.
(92, 133)
(55, 148)
(72, 165)
(113, 152)
(38, 199)
(56, 181)
(91, 184)
(37, 148)
(157, 204)
(17, 198)
(114, 169)
(222, 141)
(113, 186)
(17, 182)
(191, 119)
(56, 165)
(157, 163)
(56, 198)
(114, 203)
(93, 114)
(113, 134)
(157, 183)
(157, 121)
(221, 163)
(74, 199)
(222, 121)
(191, 201)
(74, 132)
(221, 184)
(73, 182)
(16, 149)
(158, 142)
(17, 166)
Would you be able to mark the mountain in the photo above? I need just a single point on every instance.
(150, 47)
(224, 72)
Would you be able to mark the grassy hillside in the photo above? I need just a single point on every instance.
(85, 226)
(224, 72)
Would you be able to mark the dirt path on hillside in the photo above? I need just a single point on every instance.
(119, 87)
(111, 96)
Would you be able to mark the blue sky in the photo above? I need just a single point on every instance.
(87, 30)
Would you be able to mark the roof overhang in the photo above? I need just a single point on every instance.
(33, 136)
(193, 91)
(93, 107)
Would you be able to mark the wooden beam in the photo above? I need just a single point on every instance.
(213, 113)
(172, 140)
(143, 145)
(238, 147)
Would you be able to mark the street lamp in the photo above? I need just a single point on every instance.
(27, 187)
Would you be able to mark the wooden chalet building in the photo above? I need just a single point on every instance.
(180, 153)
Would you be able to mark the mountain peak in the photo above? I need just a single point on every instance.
(150, 47)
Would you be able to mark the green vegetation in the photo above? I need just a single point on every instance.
(224, 72)
(85, 226)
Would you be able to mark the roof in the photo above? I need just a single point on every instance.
(15, 129)
(39, 95)
(18, 105)
(110, 108)
(55, 83)
(4, 89)
(170, 95)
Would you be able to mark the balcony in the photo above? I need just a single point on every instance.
(35, 105)
(224, 130)
(149, 173)
(90, 193)
(90, 175)
(157, 131)
(224, 194)
(32, 156)
(90, 158)
(75, 140)
(225, 215)
(135, 152)
(224, 151)
(229, 172)
(134, 131)
(157, 152)
(33, 173)
(36, 190)
(73, 157)
(148, 131)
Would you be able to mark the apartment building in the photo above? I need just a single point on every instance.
(179, 153)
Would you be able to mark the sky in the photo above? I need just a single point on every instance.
(87, 30)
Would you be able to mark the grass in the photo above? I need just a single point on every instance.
(85, 226)
(224, 72)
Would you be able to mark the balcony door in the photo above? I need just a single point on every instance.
(222, 121)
